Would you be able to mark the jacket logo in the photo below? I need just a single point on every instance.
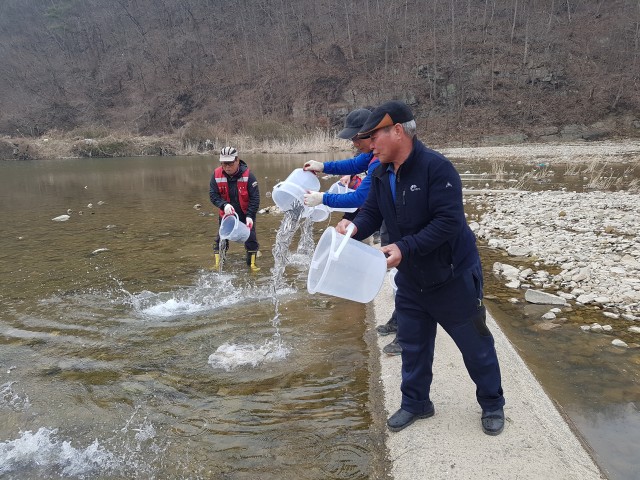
(254, 184)
(414, 188)
(448, 185)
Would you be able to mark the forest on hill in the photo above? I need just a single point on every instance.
(469, 68)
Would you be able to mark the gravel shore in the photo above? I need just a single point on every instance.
(624, 151)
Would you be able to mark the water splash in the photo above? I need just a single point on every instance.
(44, 454)
(206, 295)
(12, 400)
(230, 356)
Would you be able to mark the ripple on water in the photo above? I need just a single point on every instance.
(345, 461)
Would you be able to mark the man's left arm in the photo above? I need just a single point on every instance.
(254, 196)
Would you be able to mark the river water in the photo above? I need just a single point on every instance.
(126, 355)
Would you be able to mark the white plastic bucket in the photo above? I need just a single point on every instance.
(231, 228)
(286, 194)
(318, 213)
(339, 189)
(392, 279)
(346, 268)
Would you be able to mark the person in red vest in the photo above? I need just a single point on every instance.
(234, 189)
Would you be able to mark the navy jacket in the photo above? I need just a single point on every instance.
(426, 221)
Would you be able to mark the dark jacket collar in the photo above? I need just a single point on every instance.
(241, 170)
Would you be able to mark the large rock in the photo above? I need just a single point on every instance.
(543, 298)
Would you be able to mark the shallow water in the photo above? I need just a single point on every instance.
(594, 383)
(124, 354)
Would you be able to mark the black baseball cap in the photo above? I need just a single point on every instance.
(387, 114)
(353, 123)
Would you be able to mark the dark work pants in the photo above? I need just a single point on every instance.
(251, 245)
(456, 306)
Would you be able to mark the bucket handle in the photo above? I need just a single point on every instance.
(234, 214)
(343, 244)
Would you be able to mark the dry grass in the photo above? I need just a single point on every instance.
(572, 170)
(96, 142)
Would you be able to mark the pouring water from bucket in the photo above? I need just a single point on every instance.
(231, 228)
(286, 194)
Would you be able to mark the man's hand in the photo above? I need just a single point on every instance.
(394, 255)
(249, 222)
(228, 209)
(341, 227)
(345, 180)
(313, 166)
(313, 199)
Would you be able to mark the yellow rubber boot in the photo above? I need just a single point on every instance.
(251, 261)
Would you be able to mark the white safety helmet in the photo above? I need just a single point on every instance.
(228, 154)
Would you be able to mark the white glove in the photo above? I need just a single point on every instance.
(313, 166)
(313, 199)
(228, 209)
(249, 222)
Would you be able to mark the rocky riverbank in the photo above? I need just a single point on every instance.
(584, 248)
(577, 152)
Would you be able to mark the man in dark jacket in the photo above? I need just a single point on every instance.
(418, 194)
(234, 189)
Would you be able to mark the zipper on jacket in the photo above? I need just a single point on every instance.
(403, 201)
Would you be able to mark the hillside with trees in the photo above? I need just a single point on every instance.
(469, 68)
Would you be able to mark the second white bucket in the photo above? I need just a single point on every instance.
(231, 228)
(346, 268)
(286, 194)
(318, 213)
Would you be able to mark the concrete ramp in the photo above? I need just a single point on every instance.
(536, 443)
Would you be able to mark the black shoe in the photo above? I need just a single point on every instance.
(393, 348)
(493, 421)
(402, 419)
(390, 327)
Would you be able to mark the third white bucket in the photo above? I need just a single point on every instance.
(346, 268)
(340, 189)
(286, 194)
(231, 228)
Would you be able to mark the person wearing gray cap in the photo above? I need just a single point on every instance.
(363, 162)
(418, 194)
